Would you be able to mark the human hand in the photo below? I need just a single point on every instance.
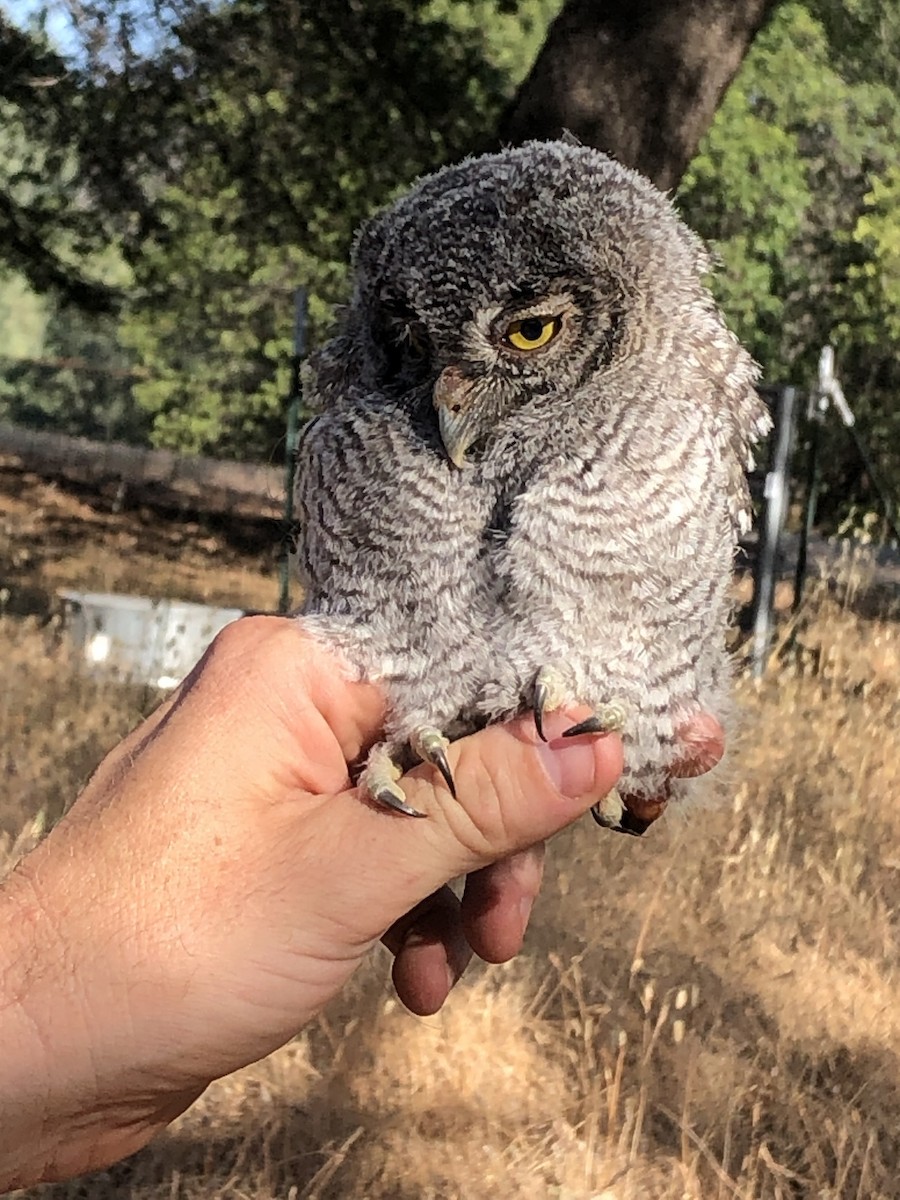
(219, 880)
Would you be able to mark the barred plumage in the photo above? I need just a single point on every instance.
(527, 479)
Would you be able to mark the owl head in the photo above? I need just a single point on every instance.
(515, 282)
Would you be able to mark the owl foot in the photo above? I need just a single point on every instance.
(551, 691)
(430, 745)
(611, 813)
(609, 718)
(633, 815)
(379, 780)
(382, 773)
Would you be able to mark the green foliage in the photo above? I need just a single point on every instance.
(511, 32)
(288, 125)
(47, 229)
(795, 188)
(877, 278)
(23, 318)
(73, 376)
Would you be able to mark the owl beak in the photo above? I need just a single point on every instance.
(456, 416)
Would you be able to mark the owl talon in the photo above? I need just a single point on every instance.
(633, 825)
(394, 799)
(549, 693)
(431, 746)
(611, 813)
(608, 811)
(589, 725)
(440, 761)
(541, 693)
(610, 719)
(379, 781)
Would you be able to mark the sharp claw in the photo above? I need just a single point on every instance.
(379, 782)
(611, 813)
(608, 811)
(431, 746)
(390, 799)
(439, 759)
(610, 719)
(589, 725)
(541, 697)
(636, 826)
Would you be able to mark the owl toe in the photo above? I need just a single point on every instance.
(430, 745)
(632, 815)
(379, 782)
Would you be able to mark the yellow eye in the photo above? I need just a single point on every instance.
(531, 333)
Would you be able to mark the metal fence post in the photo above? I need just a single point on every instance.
(777, 496)
(816, 408)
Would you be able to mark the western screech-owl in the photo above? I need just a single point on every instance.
(527, 480)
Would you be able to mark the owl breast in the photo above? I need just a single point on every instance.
(615, 572)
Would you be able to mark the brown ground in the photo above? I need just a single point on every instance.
(710, 1012)
(55, 535)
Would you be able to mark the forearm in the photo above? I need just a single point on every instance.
(39, 1024)
(61, 1027)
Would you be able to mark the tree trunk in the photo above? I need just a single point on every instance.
(640, 79)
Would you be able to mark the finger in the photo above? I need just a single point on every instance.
(513, 791)
(497, 903)
(431, 952)
(702, 746)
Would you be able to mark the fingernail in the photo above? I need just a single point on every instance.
(571, 765)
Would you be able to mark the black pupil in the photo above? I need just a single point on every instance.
(531, 328)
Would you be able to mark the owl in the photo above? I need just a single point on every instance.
(526, 481)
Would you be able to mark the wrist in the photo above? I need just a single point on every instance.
(33, 1021)
(55, 1112)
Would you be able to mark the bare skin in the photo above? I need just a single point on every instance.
(219, 880)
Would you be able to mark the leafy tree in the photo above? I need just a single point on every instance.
(793, 187)
(232, 150)
(640, 79)
(46, 230)
(289, 125)
(227, 152)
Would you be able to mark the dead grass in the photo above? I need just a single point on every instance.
(708, 1013)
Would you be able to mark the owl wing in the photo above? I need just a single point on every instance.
(741, 417)
(309, 504)
(339, 472)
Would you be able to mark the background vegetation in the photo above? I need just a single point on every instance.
(170, 174)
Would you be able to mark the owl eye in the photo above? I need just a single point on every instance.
(531, 333)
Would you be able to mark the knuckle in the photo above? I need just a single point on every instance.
(254, 643)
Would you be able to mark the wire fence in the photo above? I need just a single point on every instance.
(825, 395)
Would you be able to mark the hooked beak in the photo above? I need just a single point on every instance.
(456, 417)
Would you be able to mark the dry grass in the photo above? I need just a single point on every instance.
(708, 1013)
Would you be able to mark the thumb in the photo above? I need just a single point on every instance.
(513, 790)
